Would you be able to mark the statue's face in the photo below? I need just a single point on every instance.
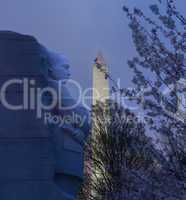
(60, 74)
(59, 68)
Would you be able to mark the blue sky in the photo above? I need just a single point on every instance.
(79, 29)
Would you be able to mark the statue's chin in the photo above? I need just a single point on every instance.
(64, 81)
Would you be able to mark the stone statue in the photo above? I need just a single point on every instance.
(37, 161)
(69, 139)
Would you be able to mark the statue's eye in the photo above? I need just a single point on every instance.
(50, 74)
(50, 71)
(66, 66)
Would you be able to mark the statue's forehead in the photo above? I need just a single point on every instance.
(58, 59)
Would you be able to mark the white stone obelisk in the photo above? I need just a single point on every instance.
(100, 80)
(101, 93)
